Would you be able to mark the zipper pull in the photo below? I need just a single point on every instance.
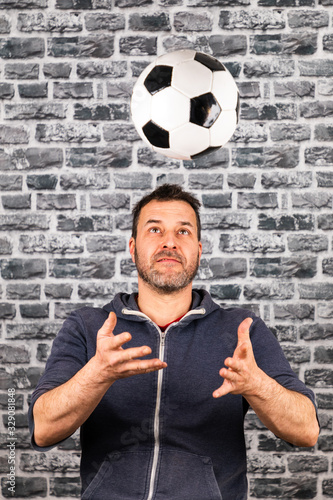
(163, 339)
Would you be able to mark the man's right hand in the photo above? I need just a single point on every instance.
(114, 362)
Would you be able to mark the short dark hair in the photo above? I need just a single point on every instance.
(166, 192)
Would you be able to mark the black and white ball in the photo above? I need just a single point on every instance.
(185, 104)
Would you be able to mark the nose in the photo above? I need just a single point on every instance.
(169, 240)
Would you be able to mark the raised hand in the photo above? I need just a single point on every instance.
(242, 372)
(116, 362)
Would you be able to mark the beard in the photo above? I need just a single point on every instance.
(163, 282)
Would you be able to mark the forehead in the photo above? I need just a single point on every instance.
(168, 211)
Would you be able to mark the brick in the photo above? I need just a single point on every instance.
(23, 4)
(33, 330)
(313, 200)
(119, 156)
(297, 354)
(148, 157)
(56, 201)
(296, 222)
(7, 91)
(254, 20)
(318, 291)
(138, 45)
(33, 90)
(21, 48)
(101, 290)
(216, 159)
(51, 243)
(23, 222)
(324, 179)
(277, 111)
(55, 291)
(104, 21)
(325, 442)
(300, 267)
(323, 67)
(14, 134)
(123, 221)
(23, 268)
(46, 111)
(286, 180)
(7, 311)
(6, 380)
(102, 69)
(78, 132)
(273, 68)
(325, 310)
(108, 243)
(282, 132)
(294, 89)
(219, 268)
(297, 43)
(319, 378)
(57, 70)
(75, 90)
(43, 352)
(94, 267)
(16, 202)
(294, 311)
(283, 487)
(133, 180)
(43, 181)
(316, 332)
(49, 462)
(170, 178)
(92, 180)
(83, 4)
(101, 112)
(225, 292)
(323, 132)
(63, 309)
(261, 464)
(224, 221)
(250, 132)
(23, 291)
(36, 158)
(65, 486)
(150, 22)
(256, 243)
(128, 268)
(325, 221)
(188, 21)
(4, 405)
(285, 333)
(228, 45)
(11, 182)
(316, 109)
(328, 266)
(6, 246)
(132, 3)
(101, 46)
(319, 156)
(248, 89)
(205, 181)
(113, 201)
(325, 87)
(276, 291)
(323, 355)
(120, 132)
(308, 18)
(26, 486)
(218, 200)
(23, 71)
(327, 484)
(84, 223)
(219, 3)
(266, 157)
(40, 310)
(62, 22)
(16, 355)
(307, 242)
(257, 200)
(325, 401)
(5, 25)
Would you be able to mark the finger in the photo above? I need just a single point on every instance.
(222, 391)
(119, 340)
(125, 355)
(108, 326)
(137, 367)
(244, 331)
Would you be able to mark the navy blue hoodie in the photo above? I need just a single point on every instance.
(162, 436)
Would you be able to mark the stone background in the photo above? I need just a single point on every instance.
(71, 166)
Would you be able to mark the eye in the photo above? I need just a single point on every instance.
(154, 230)
(184, 231)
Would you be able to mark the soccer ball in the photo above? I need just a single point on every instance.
(185, 104)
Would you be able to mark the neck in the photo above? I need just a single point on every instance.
(164, 308)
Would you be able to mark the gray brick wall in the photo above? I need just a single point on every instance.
(71, 166)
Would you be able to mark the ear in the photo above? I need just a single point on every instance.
(131, 245)
(200, 250)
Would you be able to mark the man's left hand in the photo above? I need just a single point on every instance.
(242, 372)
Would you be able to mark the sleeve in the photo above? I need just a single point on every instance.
(271, 359)
(68, 356)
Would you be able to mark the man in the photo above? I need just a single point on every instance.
(142, 376)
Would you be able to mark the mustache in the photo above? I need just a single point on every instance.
(168, 254)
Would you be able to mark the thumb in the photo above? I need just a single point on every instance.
(108, 326)
(244, 331)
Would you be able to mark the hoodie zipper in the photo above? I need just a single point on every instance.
(162, 335)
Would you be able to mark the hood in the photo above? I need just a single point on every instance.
(124, 302)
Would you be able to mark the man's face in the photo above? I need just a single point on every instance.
(166, 250)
